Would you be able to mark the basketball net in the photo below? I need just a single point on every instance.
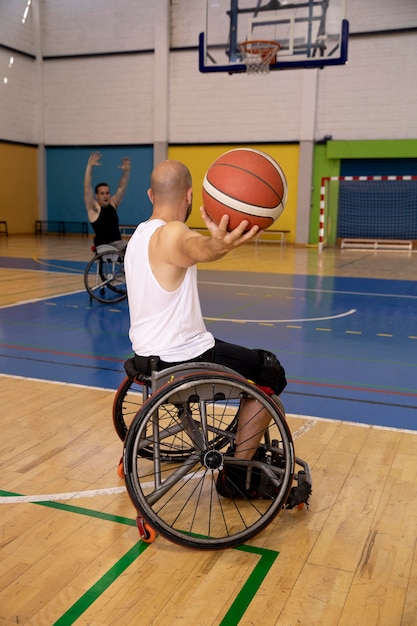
(258, 55)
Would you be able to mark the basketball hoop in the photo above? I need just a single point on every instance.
(259, 55)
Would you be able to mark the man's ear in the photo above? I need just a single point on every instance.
(189, 195)
(150, 195)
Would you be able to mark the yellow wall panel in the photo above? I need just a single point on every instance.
(19, 207)
(199, 158)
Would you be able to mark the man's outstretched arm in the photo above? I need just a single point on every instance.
(184, 247)
(89, 200)
(118, 196)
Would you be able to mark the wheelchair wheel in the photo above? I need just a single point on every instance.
(182, 500)
(127, 402)
(104, 278)
(129, 399)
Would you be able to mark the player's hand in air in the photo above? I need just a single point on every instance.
(125, 164)
(94, 158)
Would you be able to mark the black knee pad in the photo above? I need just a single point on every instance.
(271, 372)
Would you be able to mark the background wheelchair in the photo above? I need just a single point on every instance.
(178, 460)
(104, 276)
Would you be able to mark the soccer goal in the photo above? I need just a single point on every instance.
(377, 212)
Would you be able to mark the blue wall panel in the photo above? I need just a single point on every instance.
(65, 168)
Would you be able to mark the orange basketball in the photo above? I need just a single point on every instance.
(245, 184)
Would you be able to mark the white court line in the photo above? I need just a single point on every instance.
(72, 271)
(71, 495)
(74, 495)
(292, 415)
(59, 382)
(33, 300)
(281, 321)
(317, 290)
(304, 429)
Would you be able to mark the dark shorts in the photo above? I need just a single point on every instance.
(259, 366)
(243, 360)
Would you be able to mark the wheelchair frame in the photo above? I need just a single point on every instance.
(179, 445)
(104, 275)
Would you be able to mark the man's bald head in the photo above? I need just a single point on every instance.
(170, 181)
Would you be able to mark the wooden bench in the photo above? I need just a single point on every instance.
(127, 229)
(54, 226)
(279, 236)
(60, 226)
(375, 244)
(200, 229)
(76, 227)
(3, 228)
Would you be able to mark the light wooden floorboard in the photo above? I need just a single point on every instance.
(351, 559)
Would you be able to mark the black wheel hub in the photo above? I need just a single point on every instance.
(213, 459)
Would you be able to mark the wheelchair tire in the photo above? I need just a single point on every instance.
(180, 500)
(104, 278)
(127, 402)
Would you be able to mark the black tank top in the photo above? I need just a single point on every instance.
(106, 227)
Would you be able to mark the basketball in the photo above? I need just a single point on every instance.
(245, 184)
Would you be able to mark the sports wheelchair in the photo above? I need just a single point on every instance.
(104, 276)
(179, 428)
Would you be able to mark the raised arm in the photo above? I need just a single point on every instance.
(184, 247)
(89, 200)
(118, 196)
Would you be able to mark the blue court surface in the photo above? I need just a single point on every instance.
(349, 345)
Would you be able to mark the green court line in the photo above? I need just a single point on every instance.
(233, 615)
(251, 586)
(90, 596)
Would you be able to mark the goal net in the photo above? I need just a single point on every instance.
(368, 211)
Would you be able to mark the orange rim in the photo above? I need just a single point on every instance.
(261, 47)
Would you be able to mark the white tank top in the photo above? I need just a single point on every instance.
(168, 324)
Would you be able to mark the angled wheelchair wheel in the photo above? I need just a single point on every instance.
(104, 278)
(129, 398)
(186, 501)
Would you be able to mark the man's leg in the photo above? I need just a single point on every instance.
(235, 480)
(253, 421)
(253, 418)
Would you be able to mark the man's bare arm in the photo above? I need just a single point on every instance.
(118, 196)
(184, 247)
(89, 200)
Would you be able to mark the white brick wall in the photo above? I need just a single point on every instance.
(187, 22)
(218, 108)
(372, 15)
(13, 32)
(99, 100)
(93, 26)
(110, 99)
(374, 96)
(18, 98)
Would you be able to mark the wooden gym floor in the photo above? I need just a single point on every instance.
(70, 550)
